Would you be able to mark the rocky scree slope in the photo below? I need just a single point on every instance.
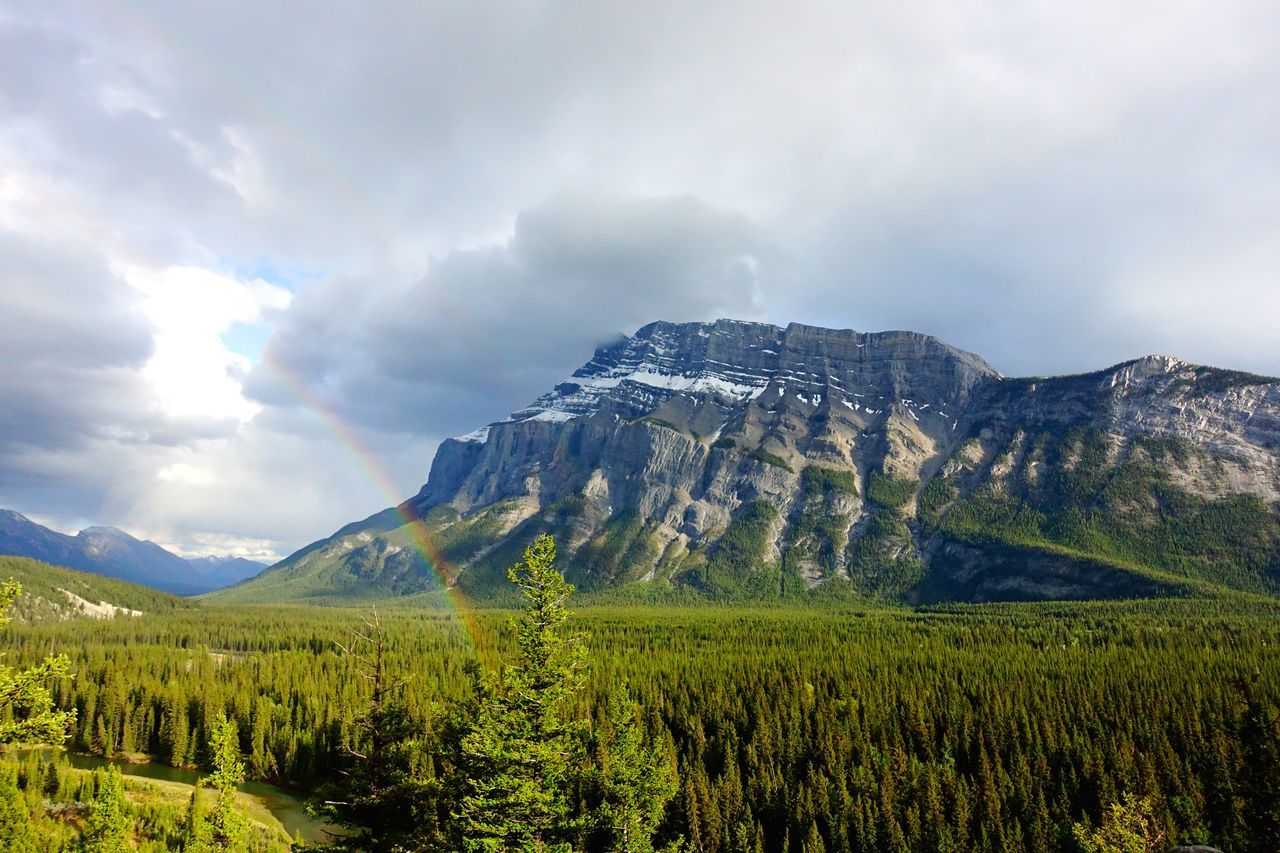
(740, 459)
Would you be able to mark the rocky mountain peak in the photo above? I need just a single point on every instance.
(747, 458)
(734, 362)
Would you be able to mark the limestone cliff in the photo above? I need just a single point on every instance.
(739, 458)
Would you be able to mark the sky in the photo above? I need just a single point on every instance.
(258, 259)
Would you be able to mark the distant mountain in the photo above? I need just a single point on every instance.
(224, 571)
(740, 459)
(114, 553)
(57, 593)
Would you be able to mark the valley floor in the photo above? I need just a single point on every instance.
(794, 728)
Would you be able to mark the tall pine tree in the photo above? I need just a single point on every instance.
(635, 781)
(109, 826)
(223, 828)
(519, 759)
(384, 798)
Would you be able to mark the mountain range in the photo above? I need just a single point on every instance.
(113, 553)
(736, 459)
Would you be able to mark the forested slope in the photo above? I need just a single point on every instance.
(54, 593)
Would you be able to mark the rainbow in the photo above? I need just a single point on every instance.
(73, 219)
(445, 572)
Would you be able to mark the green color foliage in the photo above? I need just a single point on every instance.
(887, 491)
(1215, 380)
(615, 555)
(1129, 513)
(109, 827)
(43, 597)
(69, 809)
(882, 564)
(631, 779)
(27, 713)
(224, 827)
(385, 794)
(736, 566)
(762, 455)
(1130, 826)
(16, 832)
(724, 442)
(936, 494)
(958, 727)
(519, 753)
(821, 480)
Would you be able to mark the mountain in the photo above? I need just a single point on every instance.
(218, 572)
(740, 459)
(56, 593)
(114, 553)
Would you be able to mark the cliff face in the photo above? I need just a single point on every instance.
(685, 423)
(746, 459)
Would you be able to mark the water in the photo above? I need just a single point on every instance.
(286, 807)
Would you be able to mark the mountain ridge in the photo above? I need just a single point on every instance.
(111, 552)
(739, 458)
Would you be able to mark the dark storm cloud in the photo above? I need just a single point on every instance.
(70, 343)
(487, 329)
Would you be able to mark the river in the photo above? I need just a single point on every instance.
(284, 806)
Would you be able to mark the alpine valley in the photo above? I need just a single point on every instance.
(737, 460)
(110, 552)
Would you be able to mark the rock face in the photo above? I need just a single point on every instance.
(746, 459)
(638, 426)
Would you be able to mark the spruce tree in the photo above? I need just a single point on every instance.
(519, 758)
(109, 826)
(384, 798)
(223, 828)
(16, 832)
(635, 780)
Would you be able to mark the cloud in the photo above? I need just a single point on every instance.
(191, 371)
(488, 329)
(479, 194)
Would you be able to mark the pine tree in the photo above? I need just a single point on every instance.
(518, 759)
(223, 828)
(26, 707)
(635, 781)
(109, 826)
(173, 731)
(194, 823)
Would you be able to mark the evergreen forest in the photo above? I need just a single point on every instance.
(567, 725)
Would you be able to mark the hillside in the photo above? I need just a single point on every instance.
(113, 553)
(53, 593)
(738, 460)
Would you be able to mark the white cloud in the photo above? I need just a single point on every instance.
(192, 373)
